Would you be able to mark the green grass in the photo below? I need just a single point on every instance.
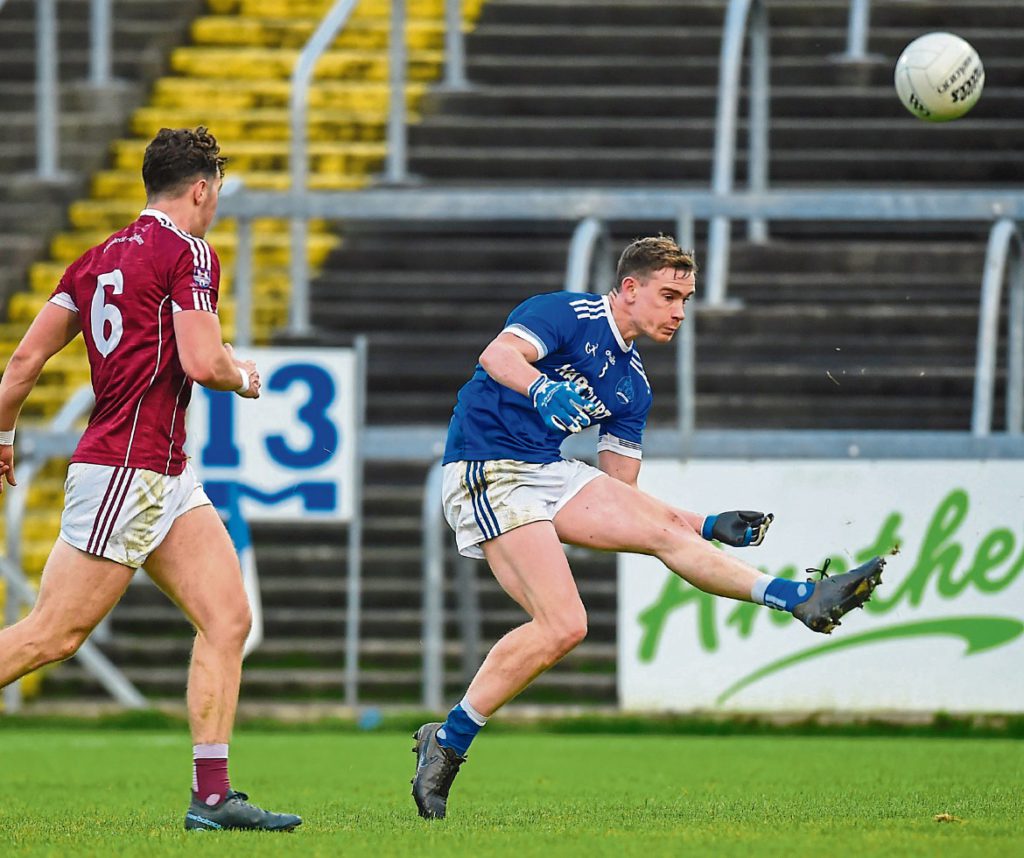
(70, 792)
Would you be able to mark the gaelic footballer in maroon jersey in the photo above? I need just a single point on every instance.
(145, 301)
(126, 291)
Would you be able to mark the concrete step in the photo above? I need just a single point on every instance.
(540, 69)
(839, 133)
(641, 102)
(621, 42)
(810, 14)
(650, 164)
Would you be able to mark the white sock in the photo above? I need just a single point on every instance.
(474, 716)
(760, 585)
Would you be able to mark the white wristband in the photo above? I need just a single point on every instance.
(244, 386)
(6, 437)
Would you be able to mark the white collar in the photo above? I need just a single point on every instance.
(615, 328)
(163, 217)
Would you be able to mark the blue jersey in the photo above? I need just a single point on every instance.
(577, 340)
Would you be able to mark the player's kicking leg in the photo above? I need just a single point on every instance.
(530, 565)
(197, 567)
(643, 524)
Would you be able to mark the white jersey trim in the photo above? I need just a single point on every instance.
(615, 328)
(638, 365)
(63, 299)
(629, 449)
(202, 259)
(156, 369)
(525, 333)
(174, 418)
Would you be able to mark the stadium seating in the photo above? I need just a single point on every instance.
(844, 325)
(232, 76)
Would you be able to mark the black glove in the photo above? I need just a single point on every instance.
(738, 528)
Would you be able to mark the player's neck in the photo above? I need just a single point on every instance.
(620, 317)
(177, 213)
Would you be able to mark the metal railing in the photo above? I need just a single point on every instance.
(595, 206)
(730, 63)
(302, 74)
(47, 76)
(857, 28)
(58, 439)
(455, 79)
(397, 159)
(1004, 259)
(430, 205)
(587, 263)
(741, 17)
(396, 169)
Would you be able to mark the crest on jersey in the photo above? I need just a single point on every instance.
(201, 277)
(624, 389)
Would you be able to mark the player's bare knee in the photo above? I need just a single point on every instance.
(238, 623)
(61, 645)
(229, 625)
(567, 634)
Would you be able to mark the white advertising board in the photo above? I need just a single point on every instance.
(944, 632)
(291, 454)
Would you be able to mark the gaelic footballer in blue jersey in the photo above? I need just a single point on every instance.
(562, 362)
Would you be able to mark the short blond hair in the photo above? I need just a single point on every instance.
(653, 253)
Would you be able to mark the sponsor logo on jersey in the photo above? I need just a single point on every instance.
(135, 237)
(201, 277)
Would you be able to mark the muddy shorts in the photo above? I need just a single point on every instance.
(485, 499)
(123, 514)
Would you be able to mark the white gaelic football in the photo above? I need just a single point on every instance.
(939, 77)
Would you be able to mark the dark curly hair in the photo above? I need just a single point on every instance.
(652, 254)
(176, 157)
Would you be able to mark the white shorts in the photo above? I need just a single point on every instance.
(485, 499)
(123, 514)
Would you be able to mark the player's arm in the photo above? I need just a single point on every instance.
(49, 332)
(508, 359)
(205, 358)
(738, 528)
(623, 468)
(627, 469)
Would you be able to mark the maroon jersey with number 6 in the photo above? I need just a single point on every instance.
(126, 291)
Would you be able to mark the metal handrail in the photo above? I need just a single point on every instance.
(323, 36)
(47, 90)
(454, 48)
(857, 27)
(737, 16)
(396, 171)
(47, 76)
(99, 42)
(623, 204)
(1003, 236)
(589, 235)
(433, 591)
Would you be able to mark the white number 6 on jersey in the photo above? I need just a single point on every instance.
(102, 313)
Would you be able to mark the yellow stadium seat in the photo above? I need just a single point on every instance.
(318, 8)
(274, 155)
(366, 121)
(261, 63)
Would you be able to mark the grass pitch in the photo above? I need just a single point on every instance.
(124, 792)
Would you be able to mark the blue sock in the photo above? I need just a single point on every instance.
(781, 593)
(460, 727)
